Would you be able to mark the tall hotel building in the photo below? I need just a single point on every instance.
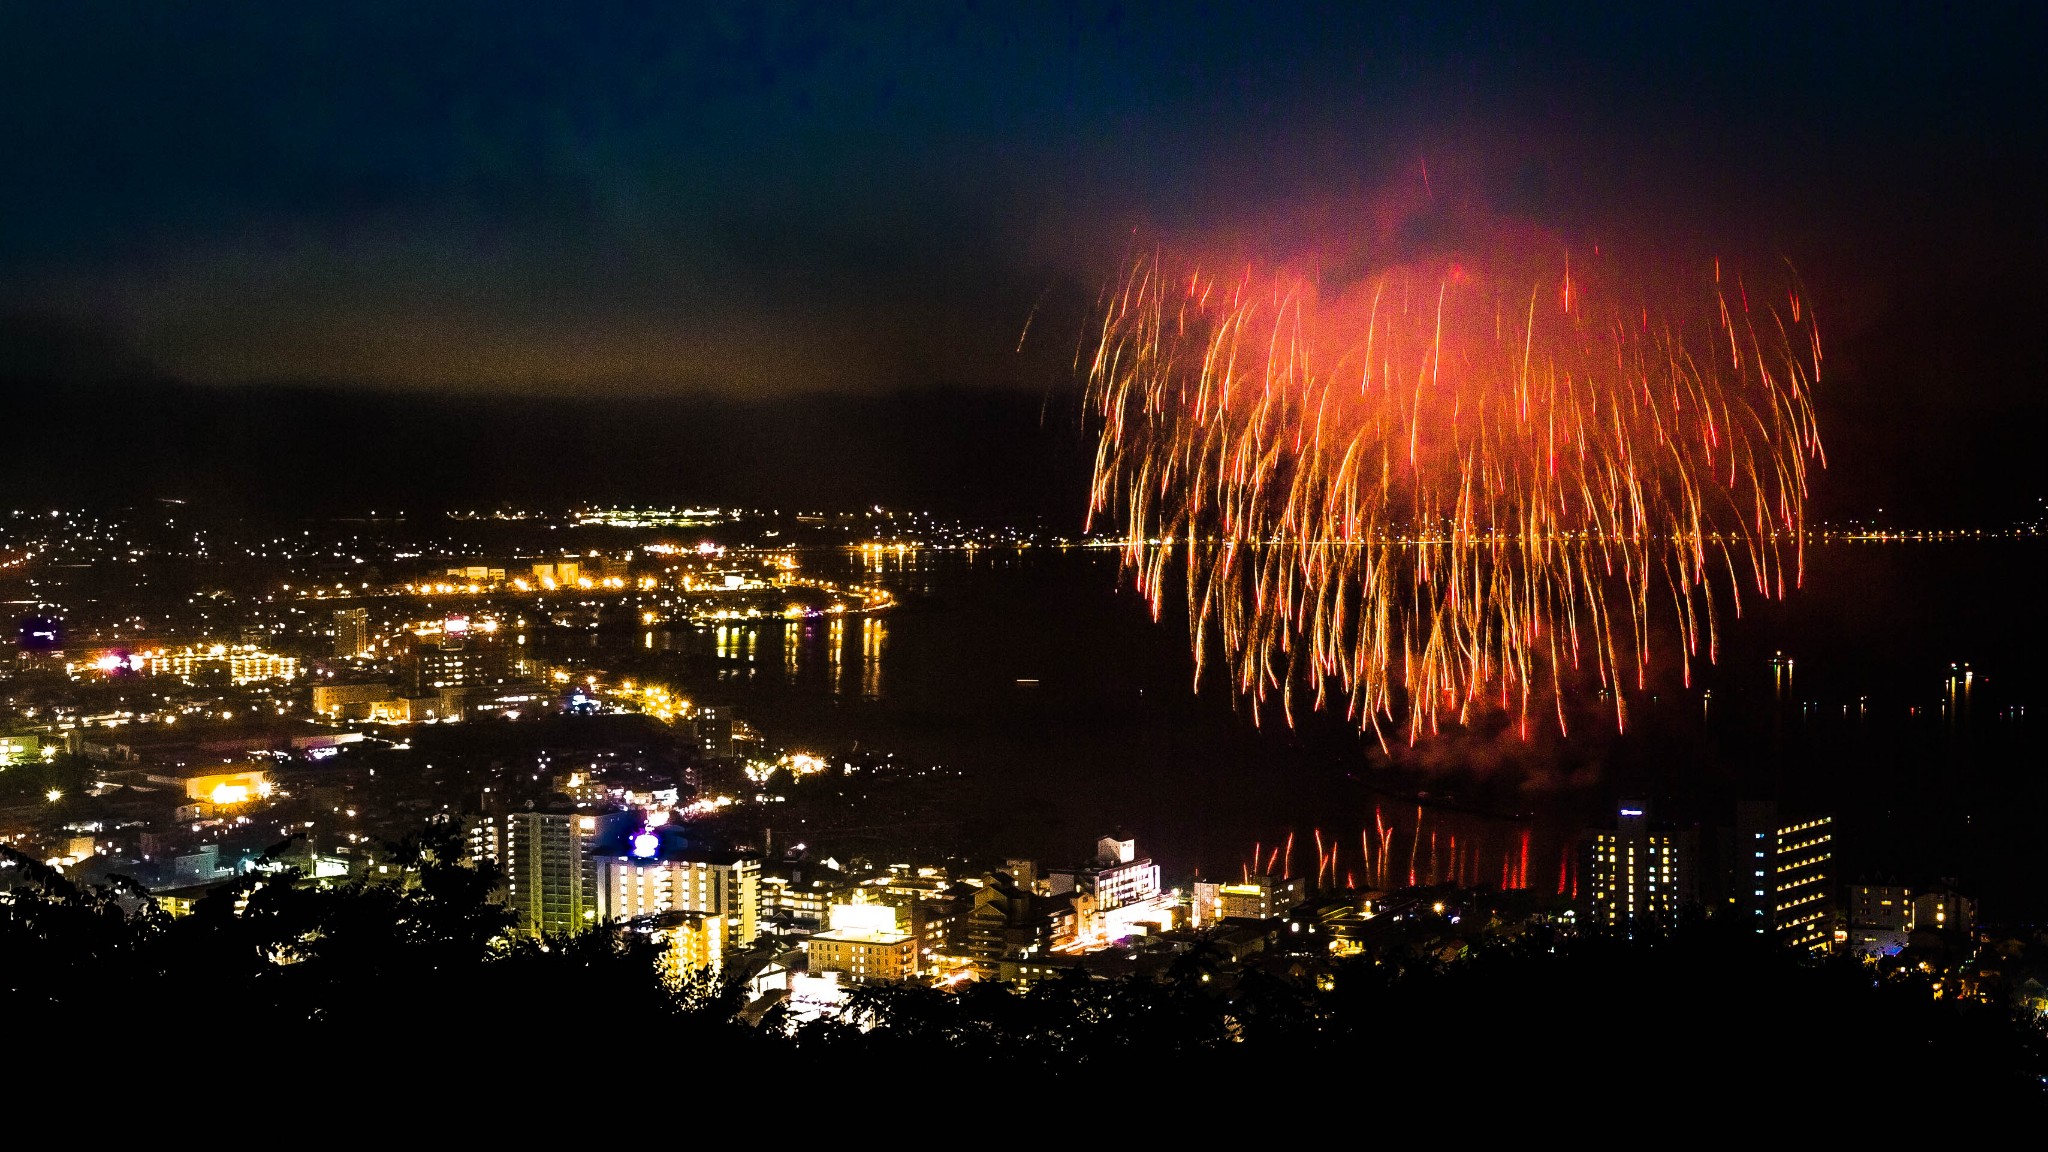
(653, 877)
(1637, 875)
(1781, 870)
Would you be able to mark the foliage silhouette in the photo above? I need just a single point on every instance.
(426, 963)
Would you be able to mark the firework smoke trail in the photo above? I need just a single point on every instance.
(1439, 490)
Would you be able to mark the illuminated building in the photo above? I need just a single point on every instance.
(1024, 874)
(793, 906)
(1887, 906)
(1123, 878)
(655, 876)
(456, 662)
(1780, 874)
(1114, 897)
(1117, 877)
(351, 632)
(866, 943)
(227, 786)
(242, 664)
(558, 574)
(713, 726)
(1259, 898)
(483, 838)
(1882, 915)
(21, 750)
(1943, 910)
(691, 942)
(405, 709)
(349, 701)
(511, 700)
(812, 996)
(1637, 875)
(938, 920)
(550, 883)
(1003, 922)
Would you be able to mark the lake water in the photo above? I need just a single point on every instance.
(1071, 714)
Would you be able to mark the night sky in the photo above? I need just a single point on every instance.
(447, 253)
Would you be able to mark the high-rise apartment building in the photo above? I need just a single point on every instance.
(351, 632)
(1638, 875)
(551, 883)
(1781, 872)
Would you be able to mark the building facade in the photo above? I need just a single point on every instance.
(691, 942)
(1638, 875)
(1002, 922)
(351, 632)
(350, 701)
(712, 726)
(866, 944)
(1257, 898)
(551, 885)
(653, 879)
(1886, 906)
(1781, 874)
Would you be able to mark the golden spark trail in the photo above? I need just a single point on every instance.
(1436, 492)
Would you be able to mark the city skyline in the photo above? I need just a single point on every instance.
(1487, 557)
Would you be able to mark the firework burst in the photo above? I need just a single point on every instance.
(1437, 490)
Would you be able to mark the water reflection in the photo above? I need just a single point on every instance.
(874, 634)
(842, 656)
(735, 647)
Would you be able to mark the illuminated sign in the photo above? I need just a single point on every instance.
(861, 918)
(1631, 811)
(645, 845)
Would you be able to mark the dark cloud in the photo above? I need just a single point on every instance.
(769, 200)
